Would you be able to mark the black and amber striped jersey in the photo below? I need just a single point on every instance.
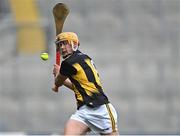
(80, 69)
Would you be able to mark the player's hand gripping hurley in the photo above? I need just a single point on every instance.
(60, 12)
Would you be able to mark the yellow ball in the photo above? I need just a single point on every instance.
(44, 56)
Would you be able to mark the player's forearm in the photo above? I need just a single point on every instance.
(68, 84)
(62, 80)
(58, 82)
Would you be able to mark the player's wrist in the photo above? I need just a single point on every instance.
(55, 88)
(56, 85)
(56, 82)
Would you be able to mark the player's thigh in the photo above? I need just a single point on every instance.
(74, 127)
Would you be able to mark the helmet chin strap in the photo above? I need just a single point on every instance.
(69, 54)
(74, 48)
(64, 57)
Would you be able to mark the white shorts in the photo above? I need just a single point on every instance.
(102, 120)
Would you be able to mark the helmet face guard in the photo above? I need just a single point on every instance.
(59, 43)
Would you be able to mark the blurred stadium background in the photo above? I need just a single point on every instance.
(134, 43)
